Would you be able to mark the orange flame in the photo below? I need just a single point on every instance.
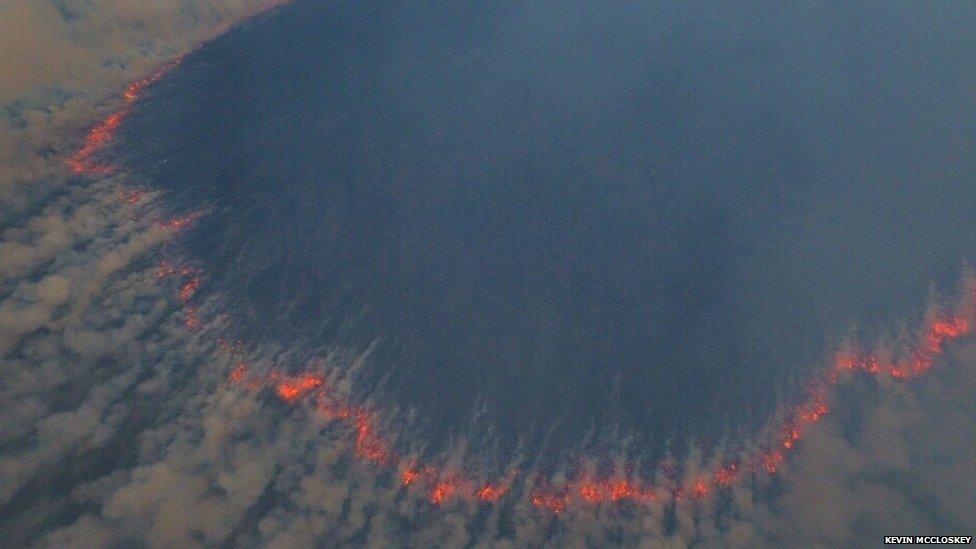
(372, 447)
(489, 492)
(291, 389)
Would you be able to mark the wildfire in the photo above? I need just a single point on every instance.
(726, 475)
(82, 162)
(177, 223)
(238, 374)
(190, 318)
(372, 447)
(291, 389)
(131, 197)
(189, 288)
(410, 476)
(771, 461)
(441, 492)
(555, 503)
(489, 492)
(369, 444)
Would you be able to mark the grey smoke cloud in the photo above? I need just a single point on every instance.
(62, 59)
(116, 427)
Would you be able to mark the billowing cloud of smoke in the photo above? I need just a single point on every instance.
(116, 425)
(62, 58)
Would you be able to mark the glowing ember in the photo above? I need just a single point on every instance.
(178, 223)
(410, 476)
(441, 492)
(725, 476)
(131, 197)
(552, 502)
(369, 444)
(491, 493)
(292, 389)
(772, 461)
(190, 319)
(189, 288)
(237, 376)
(700, 490)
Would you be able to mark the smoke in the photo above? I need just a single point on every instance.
(62, 60)
(118, 425)
(907, 468)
